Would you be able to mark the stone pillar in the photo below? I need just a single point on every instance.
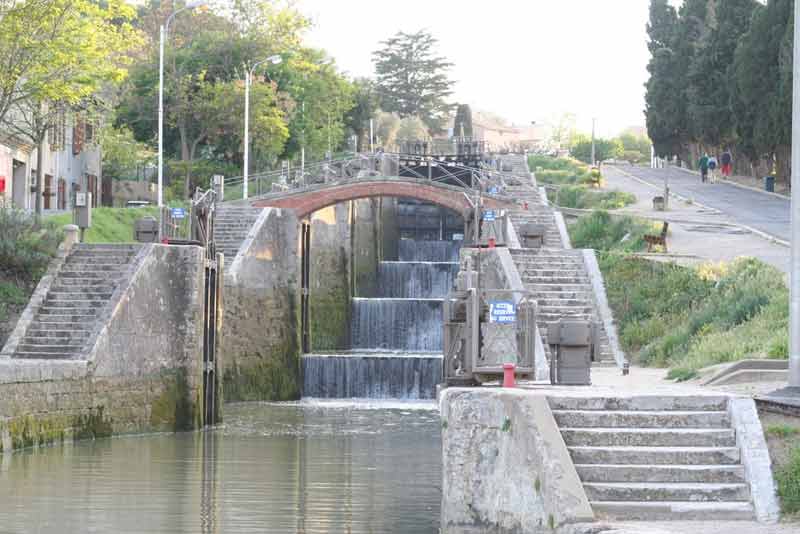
(70, 237)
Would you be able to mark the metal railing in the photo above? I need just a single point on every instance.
(360, 166)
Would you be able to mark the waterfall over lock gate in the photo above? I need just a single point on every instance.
(396, 337)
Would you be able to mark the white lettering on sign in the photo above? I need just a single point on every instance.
(503, 311)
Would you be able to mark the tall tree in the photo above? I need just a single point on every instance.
(663, 95)
(711, 78)
(412, 79)
(365, 108)
(463, 122)
(61, 50)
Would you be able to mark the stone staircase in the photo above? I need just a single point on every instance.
(656, 458)
(66, 319)
(562, 289)
(231, 226)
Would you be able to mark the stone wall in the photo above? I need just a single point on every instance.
(366, 247)
(505, 466)
(330, 278)
(260, 340)
(143, 373)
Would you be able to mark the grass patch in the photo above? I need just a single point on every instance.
(601, 231)
(782, 431)
(26, 248)
(687, 319)
(788, 479)
(109, 225)
(576, 182)
(581, 197)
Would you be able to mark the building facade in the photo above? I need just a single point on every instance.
(71, 163)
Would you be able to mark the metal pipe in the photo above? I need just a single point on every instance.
(794, 306)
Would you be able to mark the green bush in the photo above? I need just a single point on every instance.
(788, 479)
(688, 319)
(549, 162)
(26, 246)
(579, 197)
(601, 231)
(111, 225)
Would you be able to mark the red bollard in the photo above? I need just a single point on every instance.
(492, 242)
(525, 205)
(508, 375)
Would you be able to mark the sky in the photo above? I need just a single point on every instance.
(526, 60)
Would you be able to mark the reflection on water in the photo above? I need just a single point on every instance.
(304, 468)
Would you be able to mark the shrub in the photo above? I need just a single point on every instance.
(26, 246)
(788, 479)
(582, 198)
(600, 231)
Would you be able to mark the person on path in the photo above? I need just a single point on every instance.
(703, 164)
(712, 167)
(727, 163)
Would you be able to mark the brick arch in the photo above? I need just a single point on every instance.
(307, 201)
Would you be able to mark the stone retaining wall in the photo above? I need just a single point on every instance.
(143, 373)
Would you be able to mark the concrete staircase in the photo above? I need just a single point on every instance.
(562, 289)
(66, 319)
(656, 458)
(231, 227)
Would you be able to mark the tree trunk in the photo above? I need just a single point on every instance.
(783, 163)
(39, 176)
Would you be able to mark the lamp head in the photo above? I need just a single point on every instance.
(275, 60)
(191, 4)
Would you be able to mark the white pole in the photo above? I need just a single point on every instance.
(371, 138)
(247, 79)
(161, 119)
(794, 307)
(593, 123)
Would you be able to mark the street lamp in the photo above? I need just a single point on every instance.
(248, 81)
(191, 4)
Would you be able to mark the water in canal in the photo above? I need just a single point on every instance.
(321, 467)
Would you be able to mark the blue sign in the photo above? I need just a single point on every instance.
(488, 215)
(178, 213)
(493, 190)
(502, 311)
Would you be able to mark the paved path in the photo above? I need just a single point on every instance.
(693, 228)
(768, 213)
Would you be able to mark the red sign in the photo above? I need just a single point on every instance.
(2, 185)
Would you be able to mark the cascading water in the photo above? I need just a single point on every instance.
(397, 336)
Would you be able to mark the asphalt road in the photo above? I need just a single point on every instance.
(768, 213)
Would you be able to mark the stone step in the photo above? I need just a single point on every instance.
(564, 295)
(52, 301)
(96, 295)
(569, 302)
(49, 349)
(63, 320)
(666, 491)
(655, 455)
(661, 403)
(47, 309)
(30, 339)
(641, 419)
(675, 511)
(725, 474)
(72, 284)
(45, 355)
(42, 334)
(555, 280)
(559, 273)
(114, 261)
(87, 274)
(651, 437)
(575, 309)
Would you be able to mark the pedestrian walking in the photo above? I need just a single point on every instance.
(703, 164)
(727, 163)
(712, 167)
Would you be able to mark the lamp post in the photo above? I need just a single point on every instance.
(794, 307)
(247, 82)
(191, 4)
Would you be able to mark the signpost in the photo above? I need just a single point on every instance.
(178, 213)
(489, 216)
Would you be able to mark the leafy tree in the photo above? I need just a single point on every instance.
(412, 128)
(711, 71)
(564, 128)
(61, 50)
(122, 153)
(365, 106)
(386, 127)
(604, 149)
(463, 121)
(411, 79)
